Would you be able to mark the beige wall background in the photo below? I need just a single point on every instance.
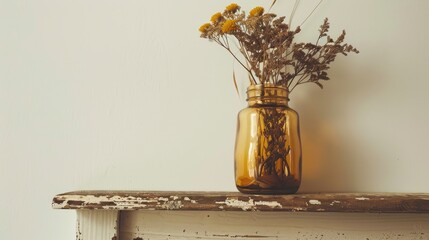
(125, 95)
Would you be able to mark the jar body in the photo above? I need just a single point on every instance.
(268, 150)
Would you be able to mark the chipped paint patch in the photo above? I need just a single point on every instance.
(362, 198)
(235, 203)
(147, 201)
(106, 202)
(119, 202)
(190, 200)
(249, 205)
(314, 202)
(298, 209)
(171, 205)
(334, 202)
(272, 204)
(59, 205)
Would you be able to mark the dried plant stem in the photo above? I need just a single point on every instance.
(226, 46)
(248, 68)
(292, 14)
(272, 4)
(314, 9)
(272, 145)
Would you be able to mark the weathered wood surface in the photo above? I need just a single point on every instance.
(234, 201)
(97, 225)
(174, 225)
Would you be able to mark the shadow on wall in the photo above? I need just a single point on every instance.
(332, 138)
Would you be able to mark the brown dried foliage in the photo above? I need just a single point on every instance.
(270, 54)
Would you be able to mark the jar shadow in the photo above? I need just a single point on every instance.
(331, 139)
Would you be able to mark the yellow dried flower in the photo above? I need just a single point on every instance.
(229, 25)
(233, 7)
(257, 11)
(204, 27)
(216, 17)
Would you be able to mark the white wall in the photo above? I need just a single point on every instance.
(125, 95)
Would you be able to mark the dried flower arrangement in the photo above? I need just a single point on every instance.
(267, 44)
(272, 58)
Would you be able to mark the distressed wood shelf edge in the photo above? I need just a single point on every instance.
(234, 201)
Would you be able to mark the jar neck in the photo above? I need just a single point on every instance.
(267, 95)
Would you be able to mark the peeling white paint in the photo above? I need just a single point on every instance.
(298, 209)
(147, 201)
(190, 200)
(171, 205)
(314, 202)
(249, 205)
(125, 205)
(238, 204)
(59, 205)
(362, 198)
(272, 204)
(121, 201)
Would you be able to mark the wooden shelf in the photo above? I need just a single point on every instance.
(234, 201)
(125, 215)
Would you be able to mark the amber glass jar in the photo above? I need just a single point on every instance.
(268, 145)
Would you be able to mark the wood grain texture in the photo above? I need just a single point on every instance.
(234, 201)
(97, 225)
(155, 225)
